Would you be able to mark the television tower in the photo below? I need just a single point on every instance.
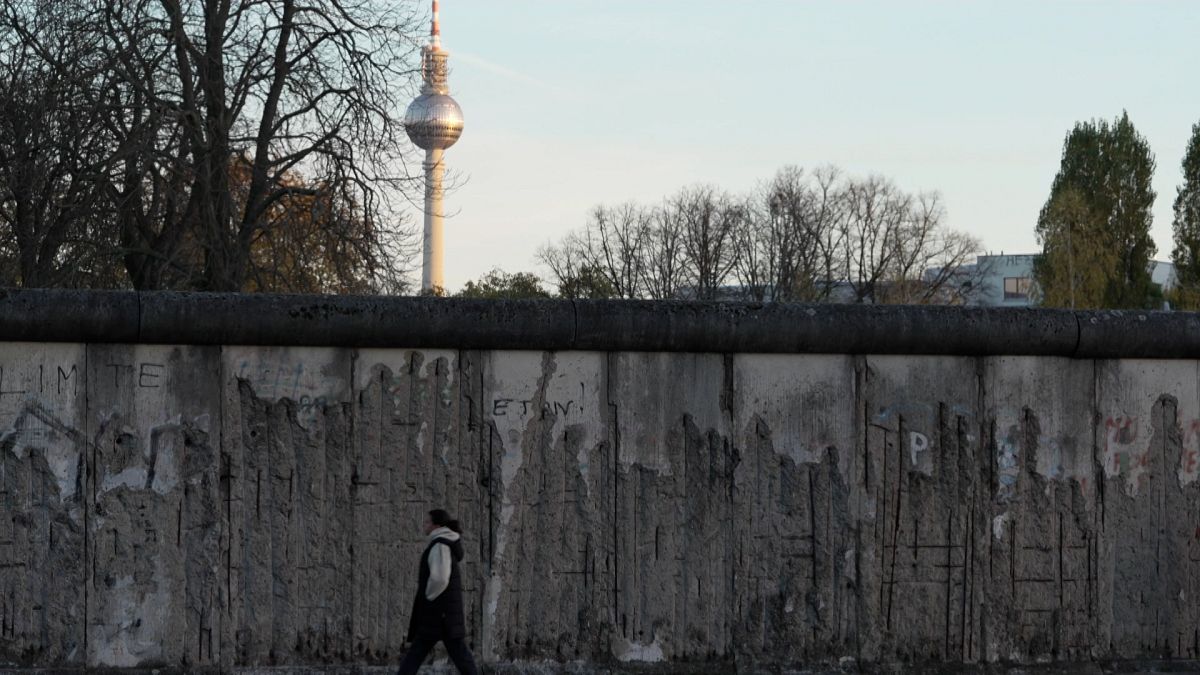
(434, 122)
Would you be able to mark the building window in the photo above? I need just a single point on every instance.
(1017, 288)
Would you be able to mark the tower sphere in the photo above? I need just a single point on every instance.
(434, 121)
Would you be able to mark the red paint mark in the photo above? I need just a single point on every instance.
(1122, 429)
(1119, 430)
(1191, 461)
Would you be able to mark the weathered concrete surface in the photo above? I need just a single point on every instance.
(43, 503)
(256, 508)
(794, 559)
(153, 527)
(1042, 523)
(922, 473)
(549, 594)
(1150, 514)
(675, 518)
(287, 468)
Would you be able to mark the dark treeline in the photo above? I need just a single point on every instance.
(226, 145)
(1186, 254)
(1095, 226)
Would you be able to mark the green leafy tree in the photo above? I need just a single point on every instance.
(1095, 226)
(1077, 260)
(588, 282)
(500, 285)
(1186, 255)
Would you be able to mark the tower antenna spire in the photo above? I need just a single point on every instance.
(435, 31)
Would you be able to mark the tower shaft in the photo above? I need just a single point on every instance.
(431, 262)
(434, 122)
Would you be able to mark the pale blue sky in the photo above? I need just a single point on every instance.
(574, 103)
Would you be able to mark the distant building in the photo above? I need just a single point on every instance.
(1163, 274)
(1007, 280)
(1000, 281)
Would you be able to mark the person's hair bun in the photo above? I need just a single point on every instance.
(441, 518)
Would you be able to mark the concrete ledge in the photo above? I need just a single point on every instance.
(841, 329)
(56, 316)
(372, 321)
(353, 321)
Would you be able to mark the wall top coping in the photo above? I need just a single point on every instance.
(162, 317)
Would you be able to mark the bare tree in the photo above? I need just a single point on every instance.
(786, 248)
(209, 109)
(664, 269)
(803, 236)
(708, 221)
(761, 248)
(611, 244)
(830, 210)
(618, 236)
(929, 264)
(52, 145)
(149, 188)
(564, 260)
(875, 213)
(897, 249)
(286, 85)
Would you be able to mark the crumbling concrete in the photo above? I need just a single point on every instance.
(243, 508)
(44, 451)
(152, 502)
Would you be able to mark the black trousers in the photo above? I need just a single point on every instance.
(457, 648)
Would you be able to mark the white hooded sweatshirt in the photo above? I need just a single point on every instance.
(439, 562)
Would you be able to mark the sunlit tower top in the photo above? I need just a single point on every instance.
(434, 122)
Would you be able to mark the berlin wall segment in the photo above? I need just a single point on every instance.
(249, 507)
(42, 448)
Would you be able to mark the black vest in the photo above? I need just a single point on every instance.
(442, 617)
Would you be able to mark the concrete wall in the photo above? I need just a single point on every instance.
(241, 507)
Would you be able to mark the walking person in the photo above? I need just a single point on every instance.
(437, 613)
